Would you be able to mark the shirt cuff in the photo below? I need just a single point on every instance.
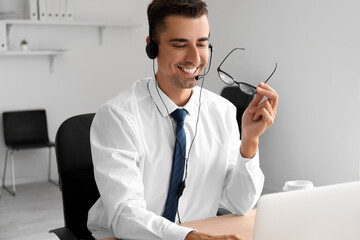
(177, 232)
(102, 233)
(248, 164)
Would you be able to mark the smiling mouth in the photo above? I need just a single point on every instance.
(189, 70)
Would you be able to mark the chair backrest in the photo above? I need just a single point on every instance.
(25, 127)
(76, 176)
(239, 99)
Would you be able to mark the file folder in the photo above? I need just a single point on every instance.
(42, 10)
(62, 11)
(33, 8)
(49, 10)
(69, 10)
(3, 39)
(56, 10)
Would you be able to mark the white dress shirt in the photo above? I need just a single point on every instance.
(132, 142)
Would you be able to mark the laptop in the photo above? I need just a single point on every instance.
(322, 213)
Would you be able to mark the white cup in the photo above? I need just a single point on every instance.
(297, 185)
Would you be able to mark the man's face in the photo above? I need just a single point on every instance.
(183, 50)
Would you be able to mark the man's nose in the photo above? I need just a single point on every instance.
(193, 55)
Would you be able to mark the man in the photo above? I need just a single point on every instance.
(136, 139)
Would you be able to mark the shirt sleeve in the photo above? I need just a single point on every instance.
(244, 179)
(116, 151)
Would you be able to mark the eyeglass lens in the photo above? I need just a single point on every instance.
(226, 78)
(247, 89)
(229, 80)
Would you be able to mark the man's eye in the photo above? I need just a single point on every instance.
(179, 46)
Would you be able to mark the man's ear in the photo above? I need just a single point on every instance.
(147, 40)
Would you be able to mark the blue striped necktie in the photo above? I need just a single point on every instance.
(177, 171)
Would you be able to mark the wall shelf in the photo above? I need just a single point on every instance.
(6, 25)
(33, 53)
(71, 23)
(50, 53)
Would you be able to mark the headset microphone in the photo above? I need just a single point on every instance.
(202, 76)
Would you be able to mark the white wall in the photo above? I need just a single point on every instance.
(315, 43)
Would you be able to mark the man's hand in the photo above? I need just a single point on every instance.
(257, 118)
(202, 236)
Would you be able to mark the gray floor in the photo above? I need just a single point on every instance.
(30, 215)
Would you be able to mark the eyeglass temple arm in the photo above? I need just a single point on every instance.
(229, 55)
(271, 73)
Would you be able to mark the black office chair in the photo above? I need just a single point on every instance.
(76, 176)
(25, 130)
(239, 99)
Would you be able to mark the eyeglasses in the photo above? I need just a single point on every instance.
(229, 80)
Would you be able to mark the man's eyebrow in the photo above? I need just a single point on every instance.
(178, 40)
(204, 39)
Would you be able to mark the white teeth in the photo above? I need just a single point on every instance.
(189, 70)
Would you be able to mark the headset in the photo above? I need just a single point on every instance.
(151, 48)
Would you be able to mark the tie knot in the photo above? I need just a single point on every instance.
(179, 115)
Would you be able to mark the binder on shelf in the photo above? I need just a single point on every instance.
(69, 10)
(62, 11)
(49, 10)
(56, 10)
(3, 39)
(33, 8)
(42, 10)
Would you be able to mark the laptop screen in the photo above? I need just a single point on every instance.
(323, 213)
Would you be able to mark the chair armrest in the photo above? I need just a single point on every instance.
(64, 234)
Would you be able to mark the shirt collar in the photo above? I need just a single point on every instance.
(166, 106)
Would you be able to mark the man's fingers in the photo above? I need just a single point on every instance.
(257, 99)
(265, 90)
(230, 237)
(265, 116)
(203, 236)
(267, 86)
(267, 93)
(266, 104)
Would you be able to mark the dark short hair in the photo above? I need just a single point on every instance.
(158, 10)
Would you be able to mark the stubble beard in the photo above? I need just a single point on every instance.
(184, 83)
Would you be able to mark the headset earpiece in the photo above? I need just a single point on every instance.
(152, 49)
